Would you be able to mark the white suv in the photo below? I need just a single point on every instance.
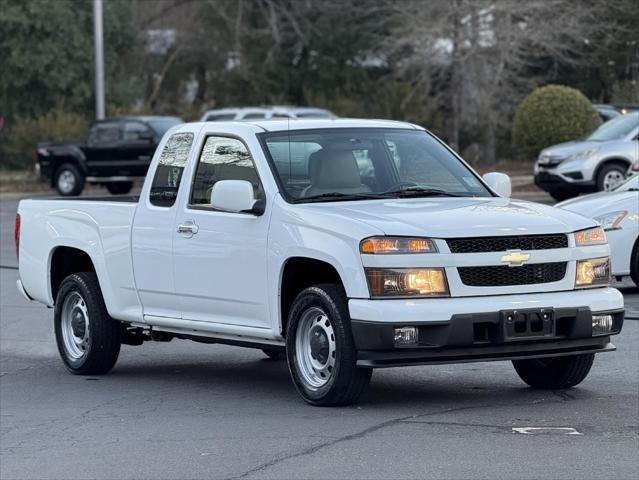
(262, 113)
(597, 162)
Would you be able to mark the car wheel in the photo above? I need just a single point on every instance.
(320, 351)
(68, 180)
(274, 353)
(88, 338)
(561, 195)
(610, 176)
(634, 264)
(119, 188)
(556, 372)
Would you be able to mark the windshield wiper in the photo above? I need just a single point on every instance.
(335, 196)
(417, 191)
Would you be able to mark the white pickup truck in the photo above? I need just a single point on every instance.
(345, 244)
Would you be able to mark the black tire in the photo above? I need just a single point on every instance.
(68, 180)
(555, 372)
(561, 195)
(608, 168)
(103, 338)
(346, 382)
(274, 353)
(634, 264)
(119, 188)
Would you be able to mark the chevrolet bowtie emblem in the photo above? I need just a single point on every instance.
(515, 258)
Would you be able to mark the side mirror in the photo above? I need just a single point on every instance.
(235, 196)
(500, 183)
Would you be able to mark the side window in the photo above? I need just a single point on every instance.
(136, 131)
(222, 158)
(250, 116)
(168, 174)
(105, 132)
(220, 117)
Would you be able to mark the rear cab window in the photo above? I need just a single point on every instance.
(168, 174)
(105, 133)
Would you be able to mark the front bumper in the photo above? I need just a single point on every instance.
(475, 329)
(550, 182)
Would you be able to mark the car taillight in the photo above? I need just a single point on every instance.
(17, 235)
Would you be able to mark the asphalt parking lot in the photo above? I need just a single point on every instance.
(186, 410)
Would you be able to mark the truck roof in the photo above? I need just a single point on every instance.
(143, 118)
(285, 124)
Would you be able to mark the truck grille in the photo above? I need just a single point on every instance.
(503, 275)
(501, 244)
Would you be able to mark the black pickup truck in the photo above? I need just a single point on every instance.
(117, 152)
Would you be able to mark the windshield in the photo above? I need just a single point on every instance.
(616, 129)
(363, 163)
(161, 125)
(630, 184)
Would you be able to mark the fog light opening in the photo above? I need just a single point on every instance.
(602, 324)
(406, 336)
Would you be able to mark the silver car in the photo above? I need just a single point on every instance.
(595, 163)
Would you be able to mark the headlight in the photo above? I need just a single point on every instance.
(593, 272)
(592, 236)
(407, 282)
(397, 245)
(612, 221)
(583, 154)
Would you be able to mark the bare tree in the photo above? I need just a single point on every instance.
(477, 58)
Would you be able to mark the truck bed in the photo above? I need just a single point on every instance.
(99, 226)
(99, 198)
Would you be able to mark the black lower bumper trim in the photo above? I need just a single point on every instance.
(550, 182)
(401, 358)
(501, 335)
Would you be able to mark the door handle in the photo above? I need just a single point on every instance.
(188, 227)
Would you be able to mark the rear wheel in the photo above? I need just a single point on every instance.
(68, 180)
(119, 188)
(320, 351)
(88, 338)
(556, 372)
(611, 176)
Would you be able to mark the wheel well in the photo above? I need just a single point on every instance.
(608, 161)
(300, 273)
(64, 262)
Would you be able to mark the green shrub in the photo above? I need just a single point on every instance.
(551, 115)
(25, 133)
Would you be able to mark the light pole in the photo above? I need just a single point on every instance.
(98, 42)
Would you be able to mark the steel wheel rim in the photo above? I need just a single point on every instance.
(66, 181)
(75, 325)
(315, 348)
(612, 180)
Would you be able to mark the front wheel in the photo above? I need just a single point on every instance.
(556, 372)
(610, 176)
(321, 354)
(88, 338)
(68, 180)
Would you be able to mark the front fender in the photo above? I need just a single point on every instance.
(311, 233)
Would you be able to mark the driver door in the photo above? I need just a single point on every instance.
(220, 258)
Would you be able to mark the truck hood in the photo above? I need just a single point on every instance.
(569, 148)
(459, 217)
